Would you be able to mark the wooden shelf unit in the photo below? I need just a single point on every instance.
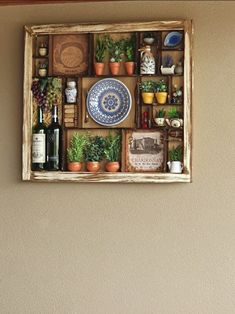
(75, 118)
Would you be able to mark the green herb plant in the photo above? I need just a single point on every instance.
(75, 152)
(115, 49)
(94, 150)
(176, 153)
(173, 113)
(147, 86)
(160, 86)
(100, 49)
(112, 147)
(160, 113)
(129, 48)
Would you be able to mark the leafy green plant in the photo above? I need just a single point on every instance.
(100, 49)
(160, 113)
(115, 48)
(94, 150)
(176, 153)
(173, 113)
(75, 152)
(129, 48)
(160, 86)
(112, 147)
(147, 86)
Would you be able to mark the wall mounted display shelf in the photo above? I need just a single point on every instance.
(106, 113)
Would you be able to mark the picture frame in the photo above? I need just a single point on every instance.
(145, 151)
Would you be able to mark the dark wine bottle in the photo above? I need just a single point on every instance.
(54, 141)
(39, 143)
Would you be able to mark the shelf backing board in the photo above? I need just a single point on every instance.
(70, 55)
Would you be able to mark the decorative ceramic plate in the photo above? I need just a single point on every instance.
(173, 39)
(109, 102)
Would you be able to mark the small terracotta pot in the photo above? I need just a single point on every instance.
(129, 66)
(93, 166)
(114, 67)
(74, 166)
(112, 166)
(99, 68)
(147, 98)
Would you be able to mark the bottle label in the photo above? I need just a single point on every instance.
(39, 148)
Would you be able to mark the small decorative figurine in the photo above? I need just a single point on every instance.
(71, 92)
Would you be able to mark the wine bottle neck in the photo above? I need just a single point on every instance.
(55, 113)
(40, 115)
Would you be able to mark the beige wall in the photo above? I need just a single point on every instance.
(133, 249)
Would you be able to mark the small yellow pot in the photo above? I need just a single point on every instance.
(161, 97)
(148, 98)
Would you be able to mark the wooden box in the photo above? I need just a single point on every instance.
(145, 145)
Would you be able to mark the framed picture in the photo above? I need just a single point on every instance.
(145, 151)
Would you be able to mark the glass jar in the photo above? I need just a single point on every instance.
(42, 70)
(42, 51)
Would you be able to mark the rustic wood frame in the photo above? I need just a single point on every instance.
(30, 31)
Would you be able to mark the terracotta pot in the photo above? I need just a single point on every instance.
(161, 97)
(112, 166)
(74, 166)
(114, 67)
(129, 66)
(99, 68)
(148, 98)
(93, 166)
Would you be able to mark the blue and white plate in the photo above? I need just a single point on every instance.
(109, 102)
(173, 39)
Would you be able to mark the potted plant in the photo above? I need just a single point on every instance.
(94, 152)
(160, 89)
(115, 48)
(160, 117)
(148, 37)
(75, 152)
(147, 91)
(112, 152)
(175, 163)
(173, 119)
(167, 66)
(129, 49)
(99, 55)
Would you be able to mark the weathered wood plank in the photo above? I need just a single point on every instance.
(27, 110)
(110, 177)
(188, 98)
(105, 28)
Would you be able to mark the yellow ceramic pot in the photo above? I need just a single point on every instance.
(161, 97)
(148, 98)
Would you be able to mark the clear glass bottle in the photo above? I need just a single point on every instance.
(54, 142)
(39, 143)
